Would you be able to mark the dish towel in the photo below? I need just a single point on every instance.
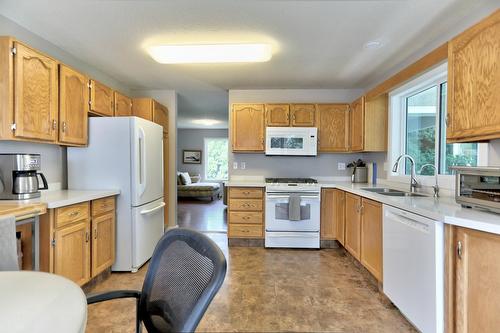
(294, 207)
(8, 244)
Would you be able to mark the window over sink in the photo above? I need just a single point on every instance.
(418, 118)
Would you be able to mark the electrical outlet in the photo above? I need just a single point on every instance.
(341, 166)
(243, 165)
(235, 165)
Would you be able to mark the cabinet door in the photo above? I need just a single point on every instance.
(339, 213)
(35, 95)
(160, 115)
(103, 242)
(328, 227)
(303, 115)
(165, 176)
(371, 237)
(474, 82)
(143, 107)
(357, 126)
(247, 130)
(123, 105)
(101, 99)
(477, 281)
(333, 127)
(72, 252)
(278, 115)
(73, 102)
(353, 224)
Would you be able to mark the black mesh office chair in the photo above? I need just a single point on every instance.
(184, 274)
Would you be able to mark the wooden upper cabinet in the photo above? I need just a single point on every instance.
(148, 108)
(101, 99)
(353, 224)
(35, 94)
(371, 237)
(474, 82)
(247, 130)
(333, 127)
(122, 104)
(160, 115)
(357, 121)
(303, 115)
(277, 115)
(473, 273)
(73, 102)
(368, 124)
(143, 108)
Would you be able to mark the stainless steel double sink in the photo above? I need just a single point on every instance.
(392, 192)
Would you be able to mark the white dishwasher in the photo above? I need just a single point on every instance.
(413, 260)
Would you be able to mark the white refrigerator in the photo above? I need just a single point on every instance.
(125, 153)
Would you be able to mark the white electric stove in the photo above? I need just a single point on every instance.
(281, 231)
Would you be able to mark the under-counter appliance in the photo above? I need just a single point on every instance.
(283, 230)
(19, 176)
(478, 187)
(125, 153)
(294, 141)
(413, 266)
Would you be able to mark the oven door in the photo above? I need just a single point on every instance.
(291, 141)
(277, 218)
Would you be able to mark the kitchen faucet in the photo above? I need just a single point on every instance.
(413, 177)
(436, 186)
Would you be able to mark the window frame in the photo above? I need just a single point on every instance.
(205, 157)
(397, 128)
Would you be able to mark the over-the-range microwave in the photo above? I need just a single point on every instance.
(293, 141)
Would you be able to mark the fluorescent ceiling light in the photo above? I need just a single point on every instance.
(207, 122)
(210, 53)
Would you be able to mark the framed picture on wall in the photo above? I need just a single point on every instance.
(191, 156)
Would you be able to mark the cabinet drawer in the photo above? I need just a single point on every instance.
(245, 217)
(245, 231)
(245, 204)
(103, 205)
(245, 192)
(70, 214)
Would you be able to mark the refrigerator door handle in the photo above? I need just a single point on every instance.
(148, 211)
(142, 161)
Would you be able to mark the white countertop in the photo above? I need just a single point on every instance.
(60, 198)
(443, 209)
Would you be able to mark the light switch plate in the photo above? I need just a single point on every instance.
(235, 165)
(243, 165)
(341, 166)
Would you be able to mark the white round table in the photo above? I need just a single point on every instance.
(41, 302)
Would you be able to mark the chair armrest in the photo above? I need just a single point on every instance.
(109, 295)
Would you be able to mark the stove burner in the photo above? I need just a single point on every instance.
(291, 180)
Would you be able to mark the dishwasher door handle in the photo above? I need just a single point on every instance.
(408, 220)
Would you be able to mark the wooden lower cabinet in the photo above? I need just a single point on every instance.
(333, 215)
(246, 212)
(371, 237)
(472, 280)
(77, 244)
(353, 225)
(362, 230)
(72, 252)
(103, 242)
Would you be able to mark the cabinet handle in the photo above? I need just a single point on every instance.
(64, 126)
(87, 237)
(459, 250)
(95, 233)
(73, 214)
(54, 124)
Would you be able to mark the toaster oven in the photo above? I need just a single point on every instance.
(478, 187)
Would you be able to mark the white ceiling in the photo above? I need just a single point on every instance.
(318, 44)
